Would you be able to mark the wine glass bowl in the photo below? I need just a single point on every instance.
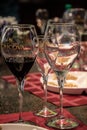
(62, 56)
(61, 49)
(19, 53)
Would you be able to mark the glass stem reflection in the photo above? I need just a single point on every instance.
(20, 90)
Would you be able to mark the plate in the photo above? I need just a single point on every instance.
(15, 126)
(76, 83)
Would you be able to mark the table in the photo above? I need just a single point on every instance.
(9, 104)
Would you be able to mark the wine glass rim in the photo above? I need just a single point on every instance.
(62, 24)
(77, 9)
(19, 25)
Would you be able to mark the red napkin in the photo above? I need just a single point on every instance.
(29, 116)
(34, 86)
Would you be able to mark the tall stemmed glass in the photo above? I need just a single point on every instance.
(44, 69)
(61, 49)
(19, 53)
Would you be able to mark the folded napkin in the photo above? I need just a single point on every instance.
(34, 86)
(39, 121)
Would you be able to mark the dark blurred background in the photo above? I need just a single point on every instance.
(25, 10)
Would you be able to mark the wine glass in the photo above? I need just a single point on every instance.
(19, 53)
(85, 21)
(75, 15)
(44, 69)
(42, 16)
(61, 49)
(83, 52)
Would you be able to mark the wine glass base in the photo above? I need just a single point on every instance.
(65, 123)
(45, 112)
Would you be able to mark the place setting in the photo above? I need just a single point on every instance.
(20, 50)
(43, 65)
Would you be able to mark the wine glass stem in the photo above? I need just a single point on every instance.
(20, 105)
(21, 84)
(61, 84)
(45, 90)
